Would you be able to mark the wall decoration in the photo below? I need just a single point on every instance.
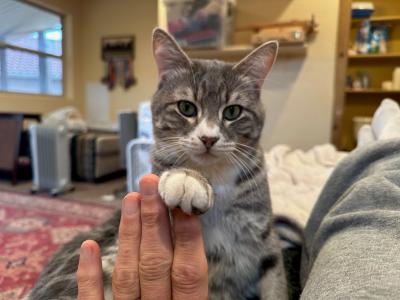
(118, 54)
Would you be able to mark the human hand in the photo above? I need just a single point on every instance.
(148, 266)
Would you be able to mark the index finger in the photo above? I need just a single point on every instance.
(89, 273)
(189, 268)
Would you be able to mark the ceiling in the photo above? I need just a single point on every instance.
(17, 17)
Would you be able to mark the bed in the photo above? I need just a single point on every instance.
(297, 177)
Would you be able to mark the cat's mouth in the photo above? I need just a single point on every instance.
(205, 157)
(207, 154)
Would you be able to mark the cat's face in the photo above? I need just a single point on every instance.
(208, 111)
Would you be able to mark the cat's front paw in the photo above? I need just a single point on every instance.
(186, 189)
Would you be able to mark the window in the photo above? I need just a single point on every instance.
(31, 49)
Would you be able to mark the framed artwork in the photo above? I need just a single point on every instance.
(118, 54)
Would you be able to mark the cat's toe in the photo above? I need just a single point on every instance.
(195, 197)
(171, 189)
(178, 189)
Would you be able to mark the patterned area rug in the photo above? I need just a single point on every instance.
(31, 229)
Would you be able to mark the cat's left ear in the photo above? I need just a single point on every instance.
(259, 62)
(168, 55)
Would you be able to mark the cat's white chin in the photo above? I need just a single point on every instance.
(205, 158)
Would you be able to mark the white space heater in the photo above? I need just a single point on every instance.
(138, 161)
(138, 151)
(50, 159)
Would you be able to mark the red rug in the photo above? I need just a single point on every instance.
(31, 229)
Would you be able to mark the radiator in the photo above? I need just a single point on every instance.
(50, 159)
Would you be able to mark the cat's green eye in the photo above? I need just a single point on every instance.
(232, 112)
(186, 108)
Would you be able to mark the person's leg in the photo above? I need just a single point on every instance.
(352, 240)
(385, 124)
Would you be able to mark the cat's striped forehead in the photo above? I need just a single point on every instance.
(212, 86)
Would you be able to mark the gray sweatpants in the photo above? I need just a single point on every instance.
(352, 240)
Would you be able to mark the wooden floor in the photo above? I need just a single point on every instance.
(84, 191)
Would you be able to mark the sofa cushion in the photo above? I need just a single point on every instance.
(107, 144)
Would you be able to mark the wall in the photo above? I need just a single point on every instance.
(120, 17)
(43, 104)
(86, 23)
(298, 95)
(299, 92)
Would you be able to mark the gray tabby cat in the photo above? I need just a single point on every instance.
(207, 118)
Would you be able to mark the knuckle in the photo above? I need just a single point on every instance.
(126, 252)
(87, 280)
(129, 233)
(184, 237)
(125, 279)
(151, 215)
(153, 267)
(188, 225)
(187, 277)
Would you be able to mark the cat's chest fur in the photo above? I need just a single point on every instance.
(218, 232)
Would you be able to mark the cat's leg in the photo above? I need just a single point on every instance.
(246, 273)
(273, 283)
(186, 189)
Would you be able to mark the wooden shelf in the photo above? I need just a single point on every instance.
(239, 51)
(349, 102)
(379, 19)
(371, 91)
(393, 55)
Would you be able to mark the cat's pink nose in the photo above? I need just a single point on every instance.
(209, 141)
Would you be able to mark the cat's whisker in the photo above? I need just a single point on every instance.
(177, 161)
(167, 142)
(173, 156)
(248, 169)
(246, 151)
(246, 154)
(240, 164)
(168, 147)
(255, 160)
(244, 169)
(170, 150)
(246, 146)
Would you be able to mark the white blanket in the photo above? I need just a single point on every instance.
(296, 178)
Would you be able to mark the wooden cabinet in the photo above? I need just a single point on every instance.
(350, 103)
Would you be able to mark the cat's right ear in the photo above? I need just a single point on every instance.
(168, 55)
(259, 62)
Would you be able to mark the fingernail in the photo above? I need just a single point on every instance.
(148, 189)
(86, 252)
(131, 206)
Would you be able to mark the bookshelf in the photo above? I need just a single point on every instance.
(380, 56)
(372, 91)
(350, 103)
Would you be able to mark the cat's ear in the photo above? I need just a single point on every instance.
(167, 53)
(259, 62)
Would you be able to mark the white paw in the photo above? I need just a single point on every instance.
(179, 189)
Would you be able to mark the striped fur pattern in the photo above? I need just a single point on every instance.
(225, 183)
